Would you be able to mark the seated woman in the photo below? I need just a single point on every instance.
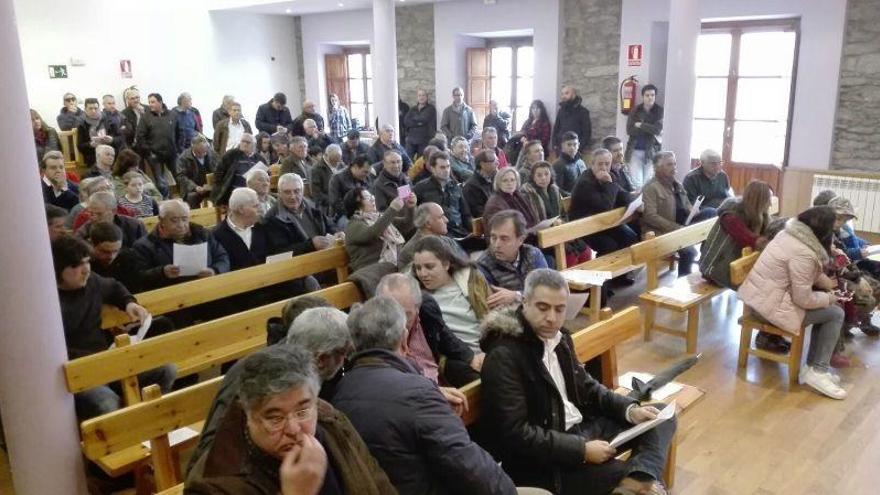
(371, 236)
(127, 161)
(459, 288)
(134, 197)
(264, 148)
(780, 289)
(507, 196)
(532, 152)
(259, 181)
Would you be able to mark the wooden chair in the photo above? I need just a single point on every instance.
(651, 252)
(206, 217)
(556, 237)
(739, 270)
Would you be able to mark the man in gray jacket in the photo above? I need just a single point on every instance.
(458, 118)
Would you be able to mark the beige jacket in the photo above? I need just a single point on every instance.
(659, 209)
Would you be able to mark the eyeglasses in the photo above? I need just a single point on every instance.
(276, 423)
(70, 98)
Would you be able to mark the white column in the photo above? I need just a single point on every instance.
(384, 55)
(684, 29)
(38, 414)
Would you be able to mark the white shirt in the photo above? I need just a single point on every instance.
(56, 191)
(235, 132)
(572, 415)
(245, 234)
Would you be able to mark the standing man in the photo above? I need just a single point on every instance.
(71, 114)
(708, 180)
(113, 117)
(310, 111)
(95, 130)
(131, 115)
(644, 125)
(228, 132)
(159, 137)
(274, 116)
(458, 118)
(194, 165)
(338, 120)
(500, 121)
(572, 116)
(223, 111)
(188, 117)
(420, 123)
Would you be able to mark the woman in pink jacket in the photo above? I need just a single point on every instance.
(787, 288)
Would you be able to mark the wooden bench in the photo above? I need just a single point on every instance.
(195, 292)
(479, 229)
(206, 217)
(556, 237)
(739, 270)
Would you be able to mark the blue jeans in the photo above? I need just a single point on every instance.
(105, 398)
(640, 169)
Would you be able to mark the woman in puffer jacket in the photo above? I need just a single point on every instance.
(787, 288)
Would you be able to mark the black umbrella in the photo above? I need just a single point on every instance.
(641, 391)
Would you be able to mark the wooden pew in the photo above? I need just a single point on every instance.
(478, 227)
(192, 293)
(556, 237)
(739, 270)
(206, 217)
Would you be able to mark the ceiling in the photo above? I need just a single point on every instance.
(300, 7)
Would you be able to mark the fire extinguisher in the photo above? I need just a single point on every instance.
(628, 90)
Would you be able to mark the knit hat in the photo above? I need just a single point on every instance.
(842, 206)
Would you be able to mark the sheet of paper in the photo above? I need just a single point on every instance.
(404, 192)
(694, 209)
(543, 224)
(625, 436)
(875, 257)
(576, 301)
(633, 206)
(874, 249)
(141, 334)
(675, 294)
(177, 436)
(586, 277)
(257, 166)
(274, 258)
(662, 393)
(191, 259)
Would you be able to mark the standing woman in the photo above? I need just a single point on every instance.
(644, 125)
(45, 136)
(537, 126)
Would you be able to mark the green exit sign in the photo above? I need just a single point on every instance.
(57, 72)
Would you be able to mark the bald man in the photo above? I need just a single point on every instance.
(572, 116)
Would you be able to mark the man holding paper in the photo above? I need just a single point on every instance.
(550, 422)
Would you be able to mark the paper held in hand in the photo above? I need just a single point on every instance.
(191, 259)
(576, 301)
(543, 224)
(873, 250)
(257, 166)
(586, 277)
(694, 209)
(274, 258)
(625, 436)
(142, 331)
(630, 209)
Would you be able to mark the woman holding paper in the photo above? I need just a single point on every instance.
(370, 236)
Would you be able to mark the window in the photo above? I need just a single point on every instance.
(512, 74)
(360, 86)
(743, 92)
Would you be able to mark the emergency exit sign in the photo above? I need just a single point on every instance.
(57, 72)
(634, 55)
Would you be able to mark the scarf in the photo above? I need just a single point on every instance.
(391, 237)
(516, 201)
(804, 234)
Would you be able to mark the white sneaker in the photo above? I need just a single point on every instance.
(821, 382)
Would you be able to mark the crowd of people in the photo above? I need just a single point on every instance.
(368, 402)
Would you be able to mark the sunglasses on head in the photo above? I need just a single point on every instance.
(70, 98)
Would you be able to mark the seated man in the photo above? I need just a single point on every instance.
(298, 162)
(708, 180)
(429, 219)
(619, 173)
(324, 170)
(428, 338)
(441, 189)
(314, 136)
(509, 259)
(478, 188)
(56, 190)
(102, 208)
(294, 223)
(193, 167)
(82, 294)
(55, 218)
(386, 143)
(389, 178)
(244, 240)
(549, 419)
(353, 147)
(569, 166)
(356, 175)
(279, 437)
(110, 259)
(667, 206)
(156, 251)
(403, 417)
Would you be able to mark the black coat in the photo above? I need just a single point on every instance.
(268, 119)
(297, 129)
(227, 175)
(385, 188)
(191, 174)
(591, 197)
(340, 184)
(476, 192)
(440, 338)
(377, 151)
(67, 199)
(285, 236)
(83, 140)
(124, 269)
(239, 254)
(81, 314)
(411, 430)
(348, 154)
(160, 134)
(132, 229)
(572, 116)
(129, 126)
(452, 201)
(523, 409)
(155, 252)
(420, 125)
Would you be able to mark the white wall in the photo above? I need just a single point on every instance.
(174, 46)
(815, 101)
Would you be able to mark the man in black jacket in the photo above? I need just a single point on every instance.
(404, 418)
(441, 189)
(274, 116)
(131, 115)
(234, 164)
(102, 208)
(550, 420)
(420, 123)
(390, 177)
(478, 187)
(357, 174)
(160, 138)
(94, 130)
(353, 147)
(193, 167)
(428, 338)
(572, 116)
(110, 259)
(295, 223)
(309, 111)
(387, 143)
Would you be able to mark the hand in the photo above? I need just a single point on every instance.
(303, 468)
(320, 242)
(604, 177)
(200, 189)
(280, 128)
(411, 200)
(396, 204)
(864, 252)
(136, 312)
(638, 125)
(207, 272)
(477, 361)
(557, 222)
(106, 139)
(456, 399)
(502, 297)
(340, 236)
(171, 271)
(598, 451)
(642, 414)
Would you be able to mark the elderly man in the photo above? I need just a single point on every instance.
(458, 119)
(156, 250)
(244, 240)
(232, 169)
(429, 219)
(387, 143)
(105, 156)
(228, 132)
(193, 167)
(110, 258)
(328, 166)
(428, 339)
(279, 437)
(56, 190)
(441, 189)
(338, 120)
(478, 188)
(315, 137)
(353, 147)
(82, 294)
(274, 116)
(490, 142)
(189, 119)
(295, 223)
(160, 139)
(259, 181)
(420, 123)
(95, 130)
(667, 206)
(390, 178)
(569, 166)
(708, 181)
(298, 162)
(509, 259)
(102, 208)
(222, 112)
(404, 418)
(619, 172)
(460, 160)
(357, 174)
(572, 116)
(309, 111)
(550, 420)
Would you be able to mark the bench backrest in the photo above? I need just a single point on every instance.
(478, 226)
(650, 251)
(192, 293)
(557, 236)
(739, 268)
(206, 217)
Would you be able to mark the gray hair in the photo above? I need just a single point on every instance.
(662, 155)
(496, 182)
(386, 127)
(87, 186)
(391, 152)
(253, 174)
(489, 130)
(169, 205)
(599, 152)
(105, 198)
(320, 331)
(333, 149)
(199, 139)
(458, 139)
(309, 123)
(378, 323)
(709, 155)
(423, 211)
(273, 371)
(102, 148)
(183, 96)
(246, 135)
(52, 155)
(298, 140)
(397, 280)
(240, 197)
(227, 100)
(290, 177)
(543, 277)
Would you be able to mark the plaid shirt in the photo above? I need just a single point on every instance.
(339, 123)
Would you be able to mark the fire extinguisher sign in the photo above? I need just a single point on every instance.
(634, 54)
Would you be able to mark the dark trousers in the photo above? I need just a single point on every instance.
(158, 165)
(687, 255)
(613, 239)
(649, 456)
(458, 373)
(106, 398)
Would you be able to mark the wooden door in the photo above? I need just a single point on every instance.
(336, 74)
(478, 88)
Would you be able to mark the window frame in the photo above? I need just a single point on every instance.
(514, 44)
(363, 51)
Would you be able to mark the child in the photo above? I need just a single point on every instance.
(134, 197)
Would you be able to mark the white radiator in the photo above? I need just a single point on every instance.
(863, 192)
